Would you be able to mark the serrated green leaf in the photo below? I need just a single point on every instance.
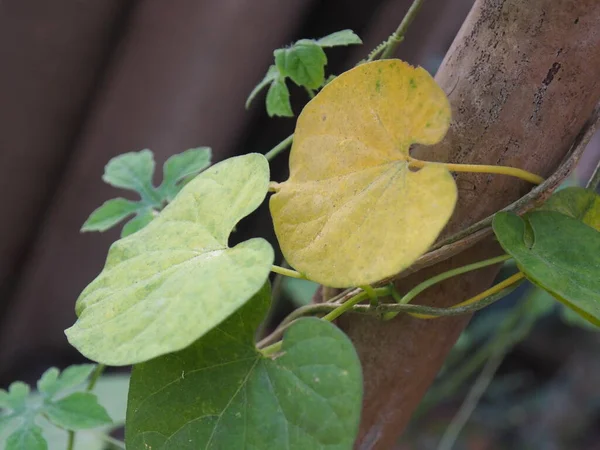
(579, 203)
(109, 214)
(304, 63)
(167, 285)
(52, 381)
(179, 167)
(278, 100)
(77, 411)
(133, 171)
(563, 256)
(339, 38)
(142, 218)
(272, 75)
(220, 393)
(27, 438)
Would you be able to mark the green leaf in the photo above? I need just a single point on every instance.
(142, 218)
(77, 411)
(272, 75)
(278, 100)
(27, 438)
(220, 393)
(16, 397)
(579, 203)
(304, 63)
(52, 381)
(109, 214)
(111, 391)
(179, 167)
(165, 286)
(563, 256)
(339, 38)
(133, 171)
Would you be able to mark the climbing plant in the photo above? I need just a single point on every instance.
(182, 306)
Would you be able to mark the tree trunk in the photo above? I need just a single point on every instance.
(522, 78)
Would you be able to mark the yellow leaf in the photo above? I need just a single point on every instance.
(352, 211)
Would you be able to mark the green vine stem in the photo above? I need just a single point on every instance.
(594, 181)
(287, 272)
(382, 309)
(407, 298)
(398, 36)
(279, 147)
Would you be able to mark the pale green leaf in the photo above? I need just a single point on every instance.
(109, 214)
(142, 218)
(304, 62)
(558, 253)
(53, 381)
(27, 438)
(180, 167)
(278, 100)
(165, 286)
(133, 171)
(272, 75)
(77, 411)
(220, 393)
(344, 37)
(16, 397)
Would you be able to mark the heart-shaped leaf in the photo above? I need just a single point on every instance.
(220, 393)
(352, 212)
(579, 203)
(557, 252)
(168, 284)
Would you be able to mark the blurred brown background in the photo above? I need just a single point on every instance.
(84, 80)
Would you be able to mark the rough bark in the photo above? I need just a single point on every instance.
(522, 78)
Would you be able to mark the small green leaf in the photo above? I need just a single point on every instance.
(27, 438)
(339, 38)
(77, 411)
(304, 63)
(220, 393)
(16, 397)
(576, 202)
(563, 256)
(272, 75)
(142, 218)
(165, 286)
(133, 171)
(278, 100)
(109, 214)
(52, 382)
(180, 167)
